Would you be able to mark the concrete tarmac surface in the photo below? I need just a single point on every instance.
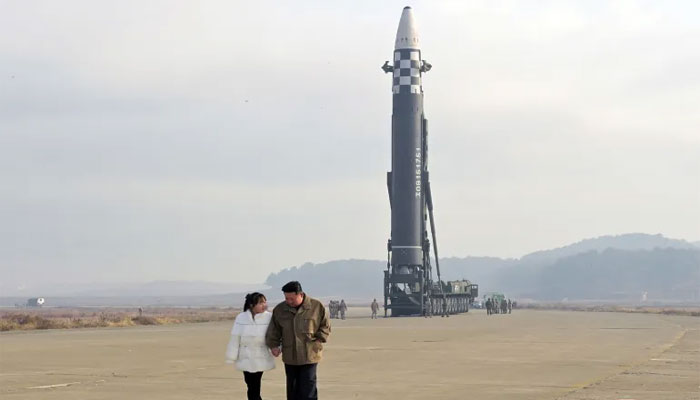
(525, 355)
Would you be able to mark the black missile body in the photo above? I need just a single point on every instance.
(408, 285)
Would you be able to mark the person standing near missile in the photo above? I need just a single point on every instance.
(375, 308)
(299, 327)
(343, 308)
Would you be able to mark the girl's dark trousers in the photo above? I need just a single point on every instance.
(252, 379)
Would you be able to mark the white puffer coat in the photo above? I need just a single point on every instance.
(247, 345)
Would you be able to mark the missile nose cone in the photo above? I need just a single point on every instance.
(407, 35)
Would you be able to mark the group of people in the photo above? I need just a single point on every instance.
(296, 329)
(494, 306)
(337, 308)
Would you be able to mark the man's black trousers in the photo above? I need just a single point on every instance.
(252, 379)
(301, 382)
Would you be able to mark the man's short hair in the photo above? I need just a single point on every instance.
(292, 287)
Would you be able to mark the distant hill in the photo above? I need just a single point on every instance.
(607, 267)
(663, 274)
(523, 277)
(629, 241)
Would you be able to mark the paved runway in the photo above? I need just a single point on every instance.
(524, 355)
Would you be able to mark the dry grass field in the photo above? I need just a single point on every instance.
(66, 318)
(527, 355)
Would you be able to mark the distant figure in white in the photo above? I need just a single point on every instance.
(247, 345)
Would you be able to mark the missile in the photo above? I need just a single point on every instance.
(408, 278)
(407, 147)
(409, 288)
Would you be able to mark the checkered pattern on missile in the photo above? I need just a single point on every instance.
(407, 71)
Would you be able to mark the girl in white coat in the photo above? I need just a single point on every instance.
(247, 345)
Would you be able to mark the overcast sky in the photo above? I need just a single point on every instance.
(224, 140)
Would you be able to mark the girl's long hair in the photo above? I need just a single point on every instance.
(252, 299)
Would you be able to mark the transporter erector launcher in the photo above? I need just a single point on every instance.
(408, 285)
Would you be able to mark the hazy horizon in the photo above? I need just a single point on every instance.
(223, 141)
(199, 287)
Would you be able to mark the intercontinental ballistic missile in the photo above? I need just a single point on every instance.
(409, 288)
